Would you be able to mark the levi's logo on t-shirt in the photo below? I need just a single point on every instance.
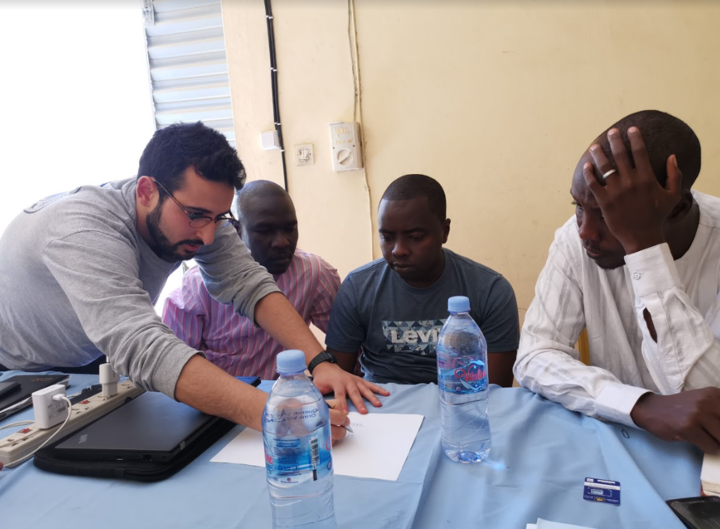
(419, 336)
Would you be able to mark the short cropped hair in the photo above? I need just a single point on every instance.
(175, 148)
(663, 135)
(255, 190)
(416, 186)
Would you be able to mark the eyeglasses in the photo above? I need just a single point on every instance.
(198, 220)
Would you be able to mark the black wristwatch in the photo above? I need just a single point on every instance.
(325, 356)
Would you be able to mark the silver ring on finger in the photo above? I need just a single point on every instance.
(610, 172)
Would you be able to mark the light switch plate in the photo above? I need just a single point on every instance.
(304, 154)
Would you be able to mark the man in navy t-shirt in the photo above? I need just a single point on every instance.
(392, 309)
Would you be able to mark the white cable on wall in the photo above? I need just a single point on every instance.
(357, 107)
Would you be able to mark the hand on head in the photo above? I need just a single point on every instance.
(633, 203)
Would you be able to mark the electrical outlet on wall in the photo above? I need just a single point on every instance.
(304, 154)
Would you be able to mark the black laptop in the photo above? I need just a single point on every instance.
(152, 427)
(147, 439)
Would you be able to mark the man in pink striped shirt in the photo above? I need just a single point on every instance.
(268, 226)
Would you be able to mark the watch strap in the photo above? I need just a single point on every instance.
(325, 356)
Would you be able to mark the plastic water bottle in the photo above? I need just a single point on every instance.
(463, 385)
(298, 442)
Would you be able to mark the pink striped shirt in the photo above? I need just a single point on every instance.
(233, 342)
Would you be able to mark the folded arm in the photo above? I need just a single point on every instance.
(549, 364)
(680, 345)
(682, 351)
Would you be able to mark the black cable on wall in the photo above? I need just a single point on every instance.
(273, 79)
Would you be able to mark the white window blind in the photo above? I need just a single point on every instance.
(188, 65)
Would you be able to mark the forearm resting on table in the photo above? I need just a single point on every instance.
(207, 388)
(500, 368)
(346, 361)
(279, 319)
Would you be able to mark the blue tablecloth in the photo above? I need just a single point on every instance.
(540, 457)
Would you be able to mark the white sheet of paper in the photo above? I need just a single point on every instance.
(710, 474)
(546, 524)
(377, 449)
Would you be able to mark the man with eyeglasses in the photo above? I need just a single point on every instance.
(79, 273)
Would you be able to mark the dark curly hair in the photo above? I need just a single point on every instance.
(175, 148)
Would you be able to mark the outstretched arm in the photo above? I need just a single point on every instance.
(277, 316)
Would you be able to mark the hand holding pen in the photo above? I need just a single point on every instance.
(339, 421)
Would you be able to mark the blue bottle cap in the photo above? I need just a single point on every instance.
(292, 361)
(458, 304)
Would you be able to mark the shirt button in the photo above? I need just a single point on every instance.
(636, 275)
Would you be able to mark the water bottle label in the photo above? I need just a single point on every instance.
(292, 460)
(461, 375)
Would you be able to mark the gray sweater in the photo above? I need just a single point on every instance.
(77, 281)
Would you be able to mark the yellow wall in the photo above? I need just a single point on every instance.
(496, 100)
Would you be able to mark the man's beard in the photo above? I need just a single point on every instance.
(163, 248)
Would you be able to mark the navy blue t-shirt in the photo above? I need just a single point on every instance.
(397, 325)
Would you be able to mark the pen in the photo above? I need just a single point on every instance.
(348, 428)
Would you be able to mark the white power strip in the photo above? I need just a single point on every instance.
(16, 446)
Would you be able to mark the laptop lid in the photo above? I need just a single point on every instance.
(151, 427)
